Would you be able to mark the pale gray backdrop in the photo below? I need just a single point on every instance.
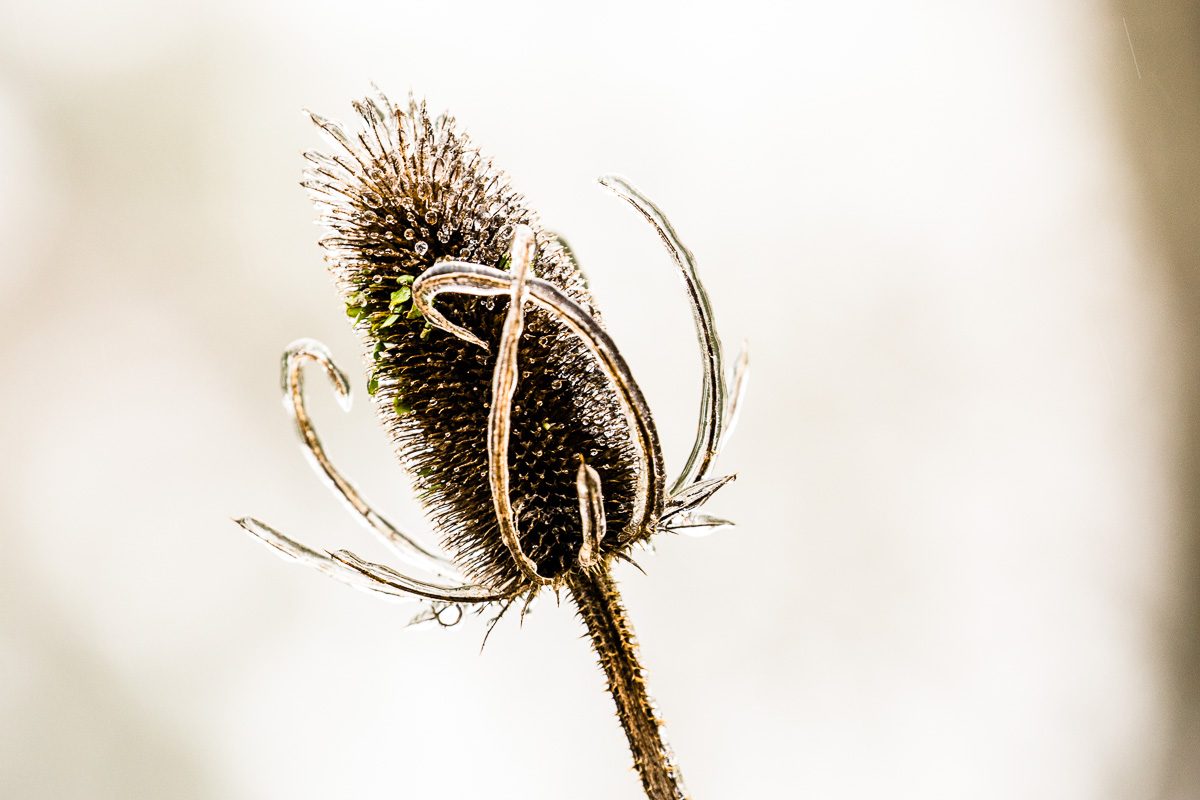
(959, 522)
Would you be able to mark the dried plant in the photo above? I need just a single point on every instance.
(527, 437)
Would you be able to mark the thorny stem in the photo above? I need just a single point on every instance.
(600, 606)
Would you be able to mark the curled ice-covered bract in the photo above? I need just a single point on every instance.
(712, 395)
(404, 545)
(694, 496)
(696, 525)
(349, 569)
(504, 384)
(591, 513)
(461, 277)
(399, 582)
(294, 551)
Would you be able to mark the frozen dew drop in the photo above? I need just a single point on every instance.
(410, 234)
(420, 248)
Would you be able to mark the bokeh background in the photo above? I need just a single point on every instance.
(961, 239)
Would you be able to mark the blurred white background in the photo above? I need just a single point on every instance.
(961, 547)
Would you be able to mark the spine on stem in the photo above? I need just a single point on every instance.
(600, 606)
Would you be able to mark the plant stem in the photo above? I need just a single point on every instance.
(600, 606)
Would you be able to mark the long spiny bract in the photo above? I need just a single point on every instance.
(403, 193)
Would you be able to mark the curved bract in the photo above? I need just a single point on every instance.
(344, 566)
(404, 545)
(504, 385)
(712, 387)
(591, 514)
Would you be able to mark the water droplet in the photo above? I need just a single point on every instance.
(372, 200)
(443, 235)
(431, 217)
(420, 248)
(410, 234)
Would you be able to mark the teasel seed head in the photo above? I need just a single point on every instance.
(399, 195)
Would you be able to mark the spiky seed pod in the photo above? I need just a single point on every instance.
(401, 194)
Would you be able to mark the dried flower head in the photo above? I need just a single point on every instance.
(528, 439)
(408, 194)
